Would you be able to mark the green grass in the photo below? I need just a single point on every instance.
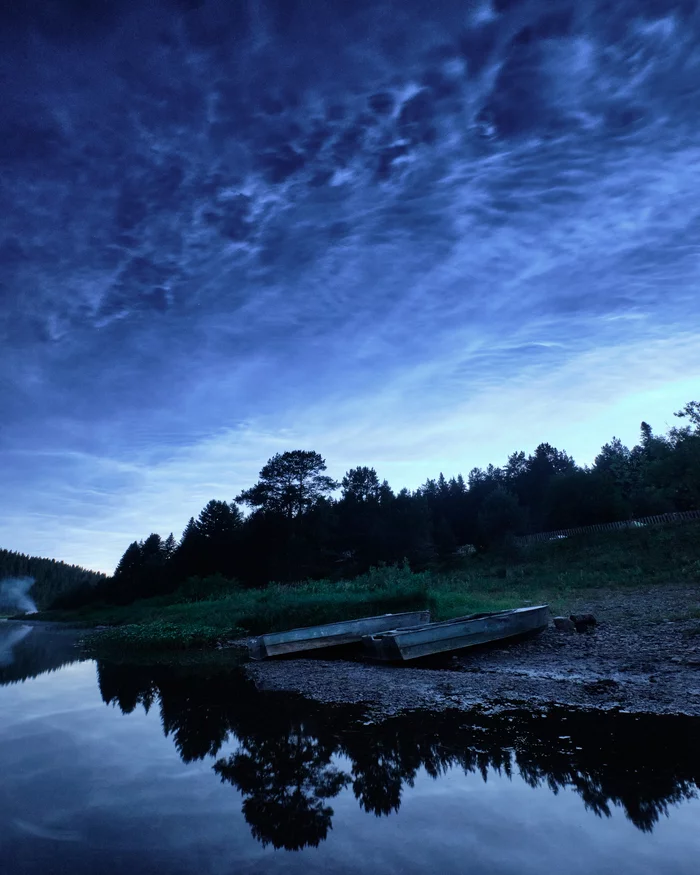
(164, 623)
(556, 573)
(158, 635)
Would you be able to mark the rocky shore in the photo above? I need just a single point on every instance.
(642, 656)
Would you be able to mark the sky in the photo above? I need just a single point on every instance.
(417, 235)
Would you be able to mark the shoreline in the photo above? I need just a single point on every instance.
(643, 657)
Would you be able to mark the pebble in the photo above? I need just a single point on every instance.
(629, 638)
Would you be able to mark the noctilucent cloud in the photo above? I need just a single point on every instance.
(417, 235)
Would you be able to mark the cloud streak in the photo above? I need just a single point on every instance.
(388, 228)
(406, 429)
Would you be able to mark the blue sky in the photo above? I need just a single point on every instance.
(415, 235)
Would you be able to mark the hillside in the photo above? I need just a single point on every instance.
(51, 577)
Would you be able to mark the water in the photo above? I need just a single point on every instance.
(188, 769)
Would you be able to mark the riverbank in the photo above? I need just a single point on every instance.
(642, 657)
(563, 573)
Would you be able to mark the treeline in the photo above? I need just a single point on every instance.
(299, 527)
(52, 578)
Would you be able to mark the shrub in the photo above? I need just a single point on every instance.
(203, 589)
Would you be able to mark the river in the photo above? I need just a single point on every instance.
(184, 767)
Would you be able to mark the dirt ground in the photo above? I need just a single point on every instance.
(642, 657)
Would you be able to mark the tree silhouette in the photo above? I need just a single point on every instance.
(217, 538)
(290, 483)
(130, 563)
(128, 574)
(500, 516)
(361, 485)
(691, 411)
(298, 530)
(189, 553)
(169, 546)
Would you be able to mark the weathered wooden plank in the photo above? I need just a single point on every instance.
(332, 634)
(457, 634)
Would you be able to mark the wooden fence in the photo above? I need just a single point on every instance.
(659, 519)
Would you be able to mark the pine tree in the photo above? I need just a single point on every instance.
(290, 483)
(130, 563)
(360, 485)
(169, 546)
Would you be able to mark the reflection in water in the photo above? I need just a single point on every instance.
(10, 636)
(294, 756)
(286, 780)
(28, 650)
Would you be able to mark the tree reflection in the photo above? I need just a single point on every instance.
(27, 651)
(642, 764)
(126, 688)
(198, 710)
(286, 781)
(291, 754)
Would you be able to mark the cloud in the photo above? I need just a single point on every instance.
(387, 241)
(404, 429)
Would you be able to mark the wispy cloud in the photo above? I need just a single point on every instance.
(418, 247)
(402, 428)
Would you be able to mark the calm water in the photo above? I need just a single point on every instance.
(110, 768)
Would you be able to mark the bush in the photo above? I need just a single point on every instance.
(204, 589)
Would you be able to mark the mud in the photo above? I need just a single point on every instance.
(642, 657)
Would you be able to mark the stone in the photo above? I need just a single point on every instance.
(564, 624)
(582, 622)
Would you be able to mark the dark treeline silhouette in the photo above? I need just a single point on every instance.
(51, 577)
(286, 763)
(302, 524)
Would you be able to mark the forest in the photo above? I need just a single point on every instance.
(51, 578)
(303, 525)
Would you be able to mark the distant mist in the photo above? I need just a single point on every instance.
(9, 638)
(14, 595)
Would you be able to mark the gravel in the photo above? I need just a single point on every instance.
(643, 656)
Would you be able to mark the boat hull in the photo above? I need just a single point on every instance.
(458, 634)
(332, 634)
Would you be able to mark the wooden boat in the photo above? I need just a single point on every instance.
(425, 640)
(331, 634)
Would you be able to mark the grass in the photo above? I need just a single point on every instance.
(160, 635)
(555, 573)
(164, 623)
